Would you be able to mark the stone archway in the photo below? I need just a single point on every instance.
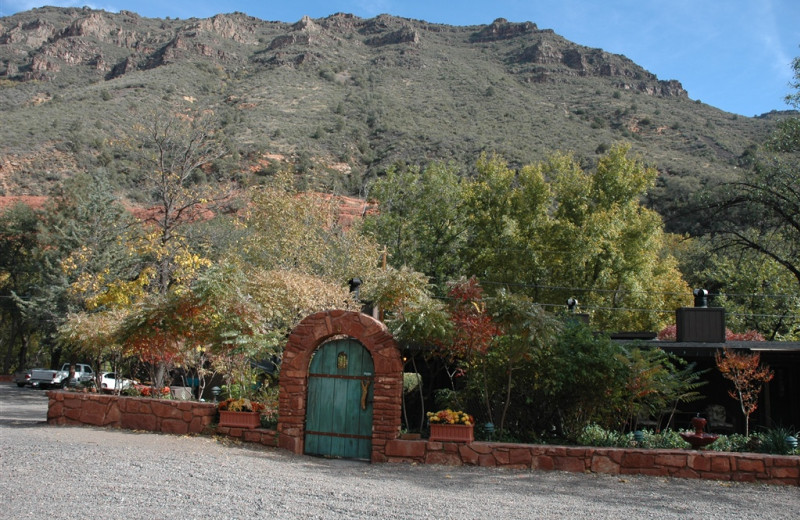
(304, 340)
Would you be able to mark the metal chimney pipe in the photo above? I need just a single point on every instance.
(700, 298)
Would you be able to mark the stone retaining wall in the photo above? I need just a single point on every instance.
(133, 413)
(257, 435)
(183, 417)
(713, 465)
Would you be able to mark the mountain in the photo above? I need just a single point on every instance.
(342, 98)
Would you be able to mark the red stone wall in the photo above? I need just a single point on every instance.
(742, 467)
(133, 413)
(304, 340)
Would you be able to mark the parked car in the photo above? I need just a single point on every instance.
(61, 378)
(23, 378)
(109, 382)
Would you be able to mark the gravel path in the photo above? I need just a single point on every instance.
(124, 474)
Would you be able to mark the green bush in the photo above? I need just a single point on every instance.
(773, 440)
(734, 443)
(595, 435)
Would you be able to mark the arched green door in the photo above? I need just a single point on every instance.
(339, 405)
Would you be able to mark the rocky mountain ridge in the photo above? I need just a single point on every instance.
(342, 98)
(40, 43)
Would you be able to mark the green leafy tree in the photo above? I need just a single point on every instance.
(760, 210)
(19, 276)
(420, 218)
(525, 329)
(756, 292)
(81, 247)
(555, 228)
(287, 229)
(583, 380)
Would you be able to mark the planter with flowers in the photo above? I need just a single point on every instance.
(240, 413)
(451, 426)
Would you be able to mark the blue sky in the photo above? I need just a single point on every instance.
(733, 54)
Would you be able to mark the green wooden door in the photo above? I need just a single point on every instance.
(339, 406)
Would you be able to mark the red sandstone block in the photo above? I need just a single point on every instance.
(72, 414)
(468, 455)
(450, 447)
(399, 460)
(73, 403)
(177, 426)
(580, 452)
(685, 473)
(604, 464)
(790, 461)
(444, 459)
(251, 436)
(166, 410)
(755, 465)
(291, 444)
(143, 406)
(487, 461)
(204, 411)
(720, 464)
(543, 462)
(406, 449)
(637, 459)
(670, 459)
(502, 456)
(269, 439)
(520, 456)
(235, 432)
(377, 457)
(146, 422)
(434, 446)
(197, 425)
(569, 464)
(93, 414)
(699, 462)
(184, 406)
(481, 447)
(742, 477)
(55, 409)
(785, 473)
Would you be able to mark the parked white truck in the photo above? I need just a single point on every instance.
(61, 378)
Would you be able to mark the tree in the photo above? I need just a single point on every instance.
(83, 239)
(747, 376)
(524, 329)
(174, 148)
(420, 218)
(296, 231)
(760, 210)
(757, 292)
(555, 228)
(19, 276)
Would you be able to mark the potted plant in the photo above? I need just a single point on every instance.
(240, 413)
(452, 426)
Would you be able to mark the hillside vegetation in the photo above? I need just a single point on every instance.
(343, 98)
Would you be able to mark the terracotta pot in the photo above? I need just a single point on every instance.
(247, 420)
(452, 432)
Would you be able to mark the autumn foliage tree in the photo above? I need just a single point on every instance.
(748, 378)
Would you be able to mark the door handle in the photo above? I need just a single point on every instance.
(364, 393)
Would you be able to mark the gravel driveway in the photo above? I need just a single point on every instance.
(105, 473)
